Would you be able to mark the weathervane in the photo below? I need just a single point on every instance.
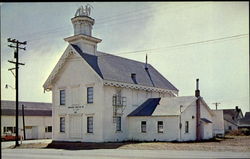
(81, 11)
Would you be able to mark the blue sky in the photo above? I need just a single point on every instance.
(222, 65)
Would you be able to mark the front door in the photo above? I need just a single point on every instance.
(75, 126)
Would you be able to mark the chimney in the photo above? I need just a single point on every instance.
(197, 94)
(146, 64)
(133, 75)
(197, 91)
(237, 109)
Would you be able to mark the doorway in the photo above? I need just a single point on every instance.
(75, 126)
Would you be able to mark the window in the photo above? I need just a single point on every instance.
(143, 126)
(160, 126)
(62, 97)
(89, 124)
(62, 124)
(90, 94)
(118, 123)
(186, 127)
(229, 128)
(9, 129)
(124, 101)
(48, 129)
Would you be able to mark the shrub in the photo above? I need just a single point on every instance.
(239, 132)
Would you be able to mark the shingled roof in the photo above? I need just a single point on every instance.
(163, 106)
(115, 68)
(30, 108)
(167, 106)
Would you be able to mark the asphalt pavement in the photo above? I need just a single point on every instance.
(115, 154)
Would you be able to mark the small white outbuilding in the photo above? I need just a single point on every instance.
(169, 119)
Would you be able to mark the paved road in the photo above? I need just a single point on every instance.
(114, 154)
(6, 144)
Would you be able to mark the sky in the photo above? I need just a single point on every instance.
(183, 40)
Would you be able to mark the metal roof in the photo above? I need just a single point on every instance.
(115, 68)
(30, 108)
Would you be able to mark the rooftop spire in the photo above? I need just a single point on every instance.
(146, 64)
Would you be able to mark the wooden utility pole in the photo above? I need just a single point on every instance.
(24, 134)
(216, 104)
(17, 43)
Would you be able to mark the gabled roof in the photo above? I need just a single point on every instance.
(147, 108)
(171, 106)
(115, 68)
(245, 121)
(231, 115)
(167, 106)
(30, 108)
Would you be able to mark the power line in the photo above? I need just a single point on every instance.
(149, 51)
(186, 44)
(120, 21)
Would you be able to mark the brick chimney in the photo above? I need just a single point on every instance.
(197, 94)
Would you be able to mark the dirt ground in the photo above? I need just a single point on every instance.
(229, 143)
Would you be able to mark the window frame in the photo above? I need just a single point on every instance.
(143, 126)
(160, 127)
(62, 100)
(48, 129)
(90, 125)
(90, 95)
(186, 126)
(62, 125)
(118, 127)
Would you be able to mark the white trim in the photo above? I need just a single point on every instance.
(138, 87)
(83, 37)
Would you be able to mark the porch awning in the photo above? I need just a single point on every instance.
(205, 120)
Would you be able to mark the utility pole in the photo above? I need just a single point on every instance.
(216, 104)
(17, 44)
(24, 136)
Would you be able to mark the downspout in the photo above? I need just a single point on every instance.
(197, 94)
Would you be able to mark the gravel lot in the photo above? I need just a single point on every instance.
(229, 143)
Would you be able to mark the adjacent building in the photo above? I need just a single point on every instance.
(245, 121)
(99, 97)
(218, 123)
(231, 118)
(37, 119)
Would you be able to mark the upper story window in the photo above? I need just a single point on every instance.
(90, 94)
(62, 97)
(186, 127)
(62, 124)
(143, 126)
(160, 126)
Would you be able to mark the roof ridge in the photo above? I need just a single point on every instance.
(108, 54)
(24, 101)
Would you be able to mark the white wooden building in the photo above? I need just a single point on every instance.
(37, 119)
(96, 96)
